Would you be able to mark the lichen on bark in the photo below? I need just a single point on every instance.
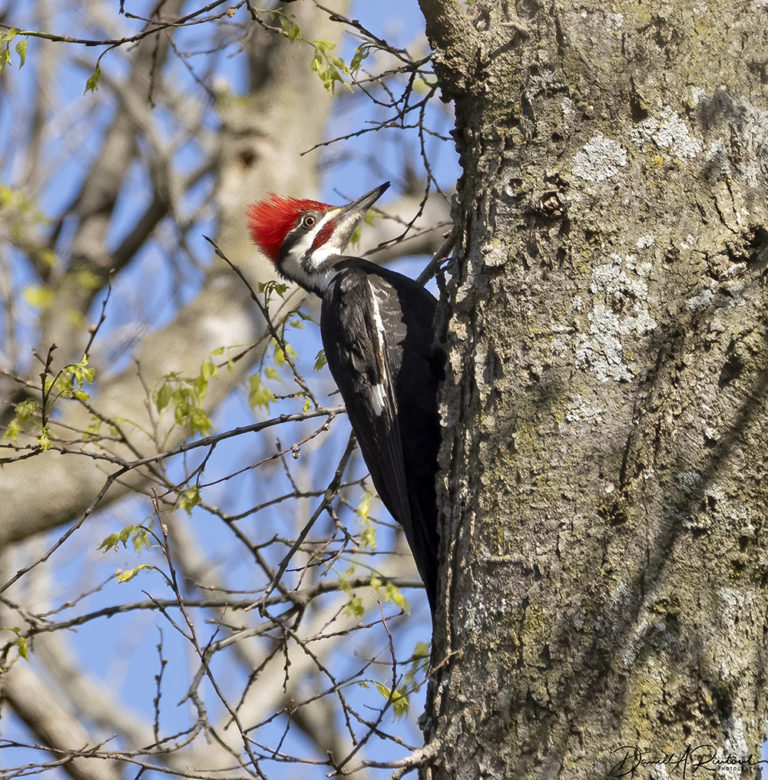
(605, 405)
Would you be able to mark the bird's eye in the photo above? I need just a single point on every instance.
(308, 221)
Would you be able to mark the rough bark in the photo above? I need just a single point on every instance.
(605, 407)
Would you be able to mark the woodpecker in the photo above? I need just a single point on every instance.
(379, 340)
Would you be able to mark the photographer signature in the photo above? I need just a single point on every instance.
(698, 758)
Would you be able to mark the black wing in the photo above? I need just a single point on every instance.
(379, 341)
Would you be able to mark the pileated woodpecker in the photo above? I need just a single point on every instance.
(379, 340)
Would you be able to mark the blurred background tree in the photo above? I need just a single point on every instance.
(195, 578)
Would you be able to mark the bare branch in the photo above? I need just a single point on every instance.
(41, 711)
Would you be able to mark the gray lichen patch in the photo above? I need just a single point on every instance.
(600, 159)
(584, 411)
(646, 241)
(701, 300)
(494, 254)
(668, 132)
(622, 317)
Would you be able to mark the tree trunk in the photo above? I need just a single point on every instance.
(605, 587)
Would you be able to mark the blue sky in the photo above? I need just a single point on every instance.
(121, 652)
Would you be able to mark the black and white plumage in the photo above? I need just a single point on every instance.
(379, 340)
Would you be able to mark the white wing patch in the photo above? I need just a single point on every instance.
(378, 391)
(379, 398)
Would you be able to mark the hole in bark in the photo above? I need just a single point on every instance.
(637, 109)
(744, 542)
(671, 255)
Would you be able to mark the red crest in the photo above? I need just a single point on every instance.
(270, 221)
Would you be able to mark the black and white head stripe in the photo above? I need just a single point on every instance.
(318, 238)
